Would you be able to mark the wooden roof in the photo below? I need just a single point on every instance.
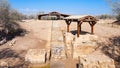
(84, 18)
(54, 13)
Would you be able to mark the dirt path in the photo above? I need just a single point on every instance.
(38, 34)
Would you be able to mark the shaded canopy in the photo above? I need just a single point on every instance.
(53, 14)
(83, 18)
(80, 19)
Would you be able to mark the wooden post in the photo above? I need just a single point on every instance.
(78, 29)
(92, 26)
(68, 25)
(92, 29)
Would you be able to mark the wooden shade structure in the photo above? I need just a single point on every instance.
(80, 19)
(57, 14)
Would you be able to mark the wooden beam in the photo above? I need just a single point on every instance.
(68, 26)
(68, 22)
(92, 26)
(92, 29)
(78, 28)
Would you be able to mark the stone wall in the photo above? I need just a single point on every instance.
(84, 48)
(96, 60)
(84, 45)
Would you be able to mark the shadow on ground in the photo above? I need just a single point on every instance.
(11, 59)
(9, 31)
(113, 50)
(74, 32)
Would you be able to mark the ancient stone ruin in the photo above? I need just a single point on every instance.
(83, 49)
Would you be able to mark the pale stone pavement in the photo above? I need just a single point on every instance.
(59, 58)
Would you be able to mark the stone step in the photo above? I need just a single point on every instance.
(36, 56)
(96, 60)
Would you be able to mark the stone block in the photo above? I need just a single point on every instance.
(68, 38)
(84, 45)
(3, 63)
(36, 56)
(68, 42)
(97, 60)
(58, 53)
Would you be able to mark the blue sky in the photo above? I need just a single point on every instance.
(74, 7)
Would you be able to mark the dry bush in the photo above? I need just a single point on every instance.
(16, 16)
(105, 16)
(4, 11)
(115, 5)
(8, 27)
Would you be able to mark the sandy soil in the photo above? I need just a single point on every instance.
(37, 37)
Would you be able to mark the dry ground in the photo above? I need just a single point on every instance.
(38, 35)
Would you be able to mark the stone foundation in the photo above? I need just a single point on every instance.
(84, 47)
(36, 56)
(96, 60)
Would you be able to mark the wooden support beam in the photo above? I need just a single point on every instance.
(92, 26)
(68, 22)
(78, 28)
(92, 21)
(68, 26)
(92, 29)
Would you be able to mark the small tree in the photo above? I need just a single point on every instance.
(8, 27)
(4, 11)
(115, 5)
(15, 15)
(106, 16)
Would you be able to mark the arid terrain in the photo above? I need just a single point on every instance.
(38, 36)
